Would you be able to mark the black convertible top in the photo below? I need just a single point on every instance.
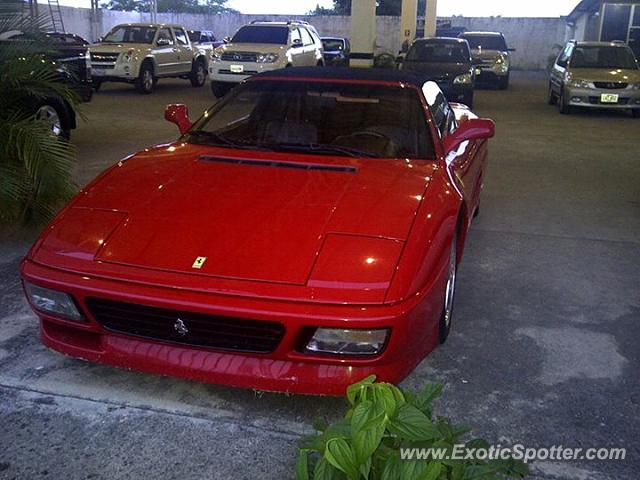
(340, 73)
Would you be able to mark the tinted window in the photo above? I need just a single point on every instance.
(295, 35)
(194, 36)
(487, 42)
(165, 34)
(322, 118)
(127, 34)
(602, 57)
(181, 37)
(306, 37)
(261, 34)
(333, 45)
(439, 52)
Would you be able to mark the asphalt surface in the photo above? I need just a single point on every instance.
(544, 349)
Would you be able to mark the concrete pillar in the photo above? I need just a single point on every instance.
(430, 18)
(408, 22)
(363, 33)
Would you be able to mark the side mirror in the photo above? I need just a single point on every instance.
(472, 129)
(163, 42)
(296, 43)
(511, 49)
(178, 113)
(227, 39)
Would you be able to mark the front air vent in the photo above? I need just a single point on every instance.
(277, 164)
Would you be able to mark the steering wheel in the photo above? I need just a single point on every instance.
(369, 133)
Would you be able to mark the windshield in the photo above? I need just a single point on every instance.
(194, 36)
(487, 42)
(333, 45)
(439, 53)
(130, 34)
(320, 118)
(603, 57)
(260, 34)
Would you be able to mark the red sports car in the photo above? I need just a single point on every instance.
(303, 234)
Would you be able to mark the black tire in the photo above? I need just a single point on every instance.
(53, 112)
(503, 83)
(563, 106)
(198, 75)
(320, 63)
(552, 98)
(96, 85)
(146, 80)
(635, 113)
(468, 99)
(220, 89)
(447, 311)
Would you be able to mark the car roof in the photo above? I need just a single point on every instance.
(350, 74)
(332, 38)
(494, 34)
(440, 40)
(601, 44)
(150, 25)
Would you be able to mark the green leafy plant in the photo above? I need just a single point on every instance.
(382, 421)
(35, 166)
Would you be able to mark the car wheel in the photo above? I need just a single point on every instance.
(563, 106)
(51, 114)
(504, 83)
(220, 89)
(320, 63)
(635, 112)
(552, 99)
(96, 85)
(447, 312)
(198, 74)
(145, 81)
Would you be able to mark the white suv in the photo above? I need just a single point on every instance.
(263, 46)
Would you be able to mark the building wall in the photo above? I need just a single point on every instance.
(533, 38)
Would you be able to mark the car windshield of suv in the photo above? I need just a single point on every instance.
(331, 45)
(130, 34)
(431, 52)
(486, 42)
(603, 57)
(319, 118)
(194, 36)
(262, 34)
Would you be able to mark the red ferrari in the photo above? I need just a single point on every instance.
(303, 234)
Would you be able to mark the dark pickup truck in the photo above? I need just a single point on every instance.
(71, 53)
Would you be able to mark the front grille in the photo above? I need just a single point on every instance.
(239, 57)
(104, 60)
(226, 71)
(611, 85)
(187, 328)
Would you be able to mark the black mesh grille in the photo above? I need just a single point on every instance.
(239, 57)
(187, 328)
(611, 85)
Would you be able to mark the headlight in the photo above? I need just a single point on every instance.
(267, 58)
(499, 60)
(128, 57)
(338, 341)
(580, 84)
(464, 79)
(56, 303)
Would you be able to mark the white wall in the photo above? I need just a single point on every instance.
(533, 38)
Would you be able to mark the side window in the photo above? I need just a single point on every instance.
(165, 37)
(563, 59)
(444, 116)
(306, 37)
(181, 37)
(295, 35)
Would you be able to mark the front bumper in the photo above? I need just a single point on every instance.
(120, 72)
(223, 71)
(456, 92)
(413, 323)
(591, 98)
(491, 73)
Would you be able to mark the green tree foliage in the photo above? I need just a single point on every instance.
(382, 419)
(171, 6)
(35, 166)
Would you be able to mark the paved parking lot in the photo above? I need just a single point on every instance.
(544, 349)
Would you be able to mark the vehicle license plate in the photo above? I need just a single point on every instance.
(236, 68)
(609, 98)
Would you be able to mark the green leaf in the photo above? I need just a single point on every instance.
(302, 465)
(356, 388)
(427, 395)
(391, 470)
(325, 471)
(432, 472)
(411, 424)
(341, 455)
(367, 429)
(320, 424)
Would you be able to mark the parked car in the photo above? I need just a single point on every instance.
(446, 61)
(70, 53)
(262, 47)
(301, 235)
(336, 51)
(595, 75)
(489, 50)
(204, 38)
(141, 53)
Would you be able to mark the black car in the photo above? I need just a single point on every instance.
(336, 51)
(446, 61)
(70, 52)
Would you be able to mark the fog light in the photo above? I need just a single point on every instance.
(576, 99)
(50, 301)
(337, 341)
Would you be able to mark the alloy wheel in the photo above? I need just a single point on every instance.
(50, 115)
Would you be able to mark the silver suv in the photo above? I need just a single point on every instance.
(491, 57)
(261, 47)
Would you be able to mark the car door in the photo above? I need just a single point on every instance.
(556, 78)
(309, 47)
(297, 48)
(165, 52)
(185, 51)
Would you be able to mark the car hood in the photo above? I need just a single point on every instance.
(605, 75)
(254, 216)
(444, 71)
(117, 47)
(486, 55)
(252, 47)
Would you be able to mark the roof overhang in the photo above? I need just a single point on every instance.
(584, 7)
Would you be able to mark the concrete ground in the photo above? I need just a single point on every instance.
(544, 349)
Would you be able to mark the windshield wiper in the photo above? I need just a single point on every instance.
(322, 148)
(218, 140)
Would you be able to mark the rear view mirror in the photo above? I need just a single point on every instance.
(178, 113)
(163, 42)
(473, 129)
(296, 43)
